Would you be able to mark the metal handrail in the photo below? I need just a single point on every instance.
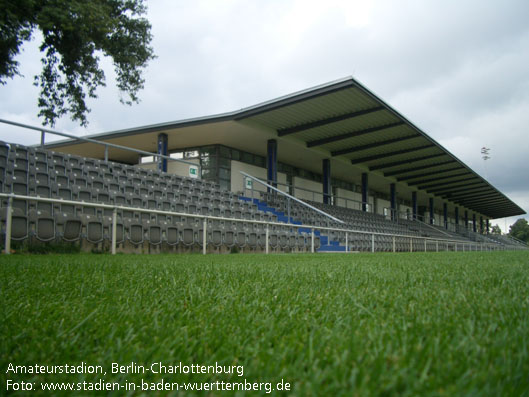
(91, 140)
(292, 197)
(205, 218)
(333, 197)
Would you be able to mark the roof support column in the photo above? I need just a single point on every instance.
(271, 163)
(457, 218)
(431, 211)
(466, 219)
(326, 171)
(481, 225)
(162, 149)
(414, 205)
(487, 225)
(445, 215)
(474, 223)
(364, 192)
(393, 201)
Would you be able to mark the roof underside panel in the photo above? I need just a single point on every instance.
(352, 123)
(344, 120)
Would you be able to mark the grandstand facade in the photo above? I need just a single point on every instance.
(337, 147)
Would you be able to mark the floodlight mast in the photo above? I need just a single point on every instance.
(485, 156)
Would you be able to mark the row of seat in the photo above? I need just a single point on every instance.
(48, 174)
(187, 232)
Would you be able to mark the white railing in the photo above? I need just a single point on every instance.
(420, 242)
(316, 195)
(107, 145)
(289, 197)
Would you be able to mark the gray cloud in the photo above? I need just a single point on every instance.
(458, 70)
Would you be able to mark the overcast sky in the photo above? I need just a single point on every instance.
(459, 70)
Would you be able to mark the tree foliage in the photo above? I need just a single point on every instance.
(520, 230)
(75, 34)
(495, 229)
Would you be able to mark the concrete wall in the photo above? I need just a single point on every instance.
(356, 204)
(403, 209)
(381, 204)
(310, 185)
(237, 180)
(173, 167)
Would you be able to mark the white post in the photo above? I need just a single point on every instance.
(346, 242)
(437, 246)
(393, 243)
(411, 244)
(373, 243)
(266, 238)
(9, 215)
(424, 245)
(114, 229)
(312, 240)
(204, 236)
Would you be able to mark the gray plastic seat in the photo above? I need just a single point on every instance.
(93, 228)
(135, 232)
(45, 228)
(172, 237)
(19, 227)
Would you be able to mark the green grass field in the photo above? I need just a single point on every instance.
(359, 324)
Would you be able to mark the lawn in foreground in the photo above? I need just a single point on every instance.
(358, 324)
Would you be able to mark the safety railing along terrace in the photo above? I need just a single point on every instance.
(106, 145)
(416, 243)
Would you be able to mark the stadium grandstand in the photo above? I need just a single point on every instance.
(330, 169)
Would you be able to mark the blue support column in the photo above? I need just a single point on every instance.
(487, 225)
(271, 162)
(466, 219)
(162, 149)
(481, 225)
(393, 201)
(326, 171)
(445, 215)
(474, 223)
(431, 211)
(364, 191)
(457, 216)
(414, 204)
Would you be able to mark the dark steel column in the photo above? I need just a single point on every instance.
(162, 149)
(457, 216)
(445, 214)
(431, 211)
(466, 219)
(271, 163)
(474, 224)
(481, 225)
(414, 204)
(364, 191)
(393, 201)
(487, 225)
(326, 171)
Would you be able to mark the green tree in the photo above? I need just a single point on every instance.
(495, 229)
(75, 34)
(520, 230)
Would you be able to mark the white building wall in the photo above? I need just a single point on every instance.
(348, 199)
(381, 204)
(237, 179)
(301, 183)
(403, 210)
(173, 167)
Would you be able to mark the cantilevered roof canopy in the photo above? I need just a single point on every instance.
(344, 120)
